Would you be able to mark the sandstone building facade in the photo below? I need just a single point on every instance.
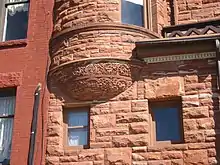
(124, 82)
(134, 83)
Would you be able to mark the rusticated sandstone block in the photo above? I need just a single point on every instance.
(131, 117)
(196, 112)
(101, 145)
(139, 105)
(161, 162)
(172, 155)
(190, 101)
(120, 106)
(55, 118)
(91, 154)
(78, 163)
(194, 137)
(197, 157)
(120, 156)
(52, 160)
(164, 87)
(99, 109)
(69, 159)
(130, 140)
(112, 131)
(54, 131)
(103, 121)
(190, 125)
(54, 150)
(138, 128)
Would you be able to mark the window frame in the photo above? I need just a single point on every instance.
(147, 13)
(9, 92)
(66, 110)
(165, 103)
(3, 17)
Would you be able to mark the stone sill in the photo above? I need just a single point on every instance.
(13, 44)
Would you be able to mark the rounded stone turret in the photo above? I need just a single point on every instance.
(91, 50)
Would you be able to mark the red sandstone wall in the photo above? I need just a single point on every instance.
(197, 10)
(160, 15)
(23, 64)
(70, 14)
(120, 129)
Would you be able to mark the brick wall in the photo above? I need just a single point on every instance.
(120, 130)
(23, 65)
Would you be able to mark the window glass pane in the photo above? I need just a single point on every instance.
(77, 136)
(16, 22)
(79, 118)
(5, 138)
(133, 12)
(14, 1)
(167, 124)
(7, 105)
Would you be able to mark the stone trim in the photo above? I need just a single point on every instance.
(105, 26)
(11, 79)
(181, 57)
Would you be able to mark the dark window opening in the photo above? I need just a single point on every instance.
(7, 108)
(14, 19)
(77, 126)
(168, 121)
(132, 12)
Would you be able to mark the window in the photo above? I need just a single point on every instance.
(14, 19)
(136, 12)
(166, 121)
(7, 108)
(77, 125)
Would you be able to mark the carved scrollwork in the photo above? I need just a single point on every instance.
(96, 79)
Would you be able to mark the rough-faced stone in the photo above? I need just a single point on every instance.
(120, 156)
(131, 117)
(164, 87)
(103, 121)
(197, 157)
(130, 140)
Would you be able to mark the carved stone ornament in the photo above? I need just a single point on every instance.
(95, 79)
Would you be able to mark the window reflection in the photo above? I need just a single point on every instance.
(133, 12)
(16, 23)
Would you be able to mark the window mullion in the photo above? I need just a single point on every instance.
(6, 116)
(76, 127)
(15, 3)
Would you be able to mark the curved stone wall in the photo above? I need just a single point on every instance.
(91, 30)
(71, 13)
(96, 40)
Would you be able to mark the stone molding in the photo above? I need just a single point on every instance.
(181, 57)
(95, 79)
(105, 26)
(11, 79)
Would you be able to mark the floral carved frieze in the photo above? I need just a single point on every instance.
(95, 79)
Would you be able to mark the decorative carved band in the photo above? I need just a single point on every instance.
(181, 57)
(95, 79)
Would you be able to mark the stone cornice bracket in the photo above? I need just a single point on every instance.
(217, 43)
